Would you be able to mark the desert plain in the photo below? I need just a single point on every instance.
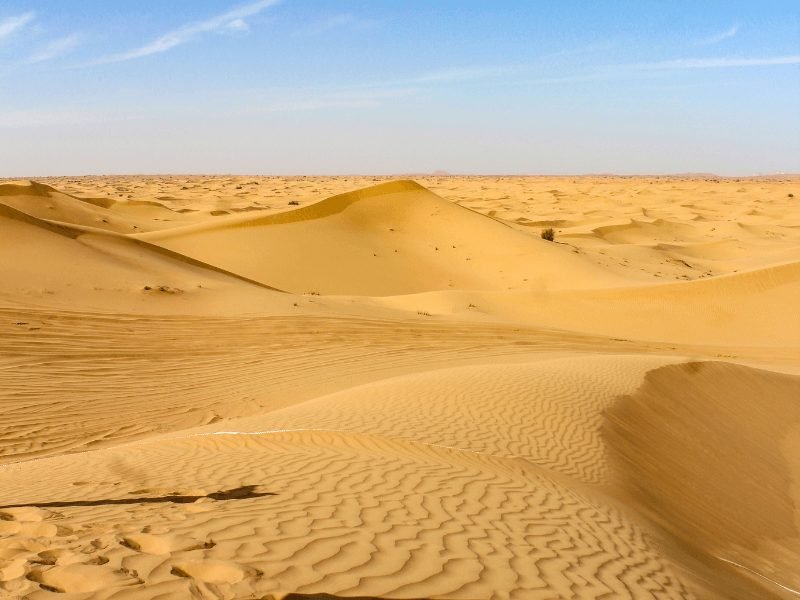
(394, 387)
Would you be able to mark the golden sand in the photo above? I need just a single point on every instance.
(248, 387)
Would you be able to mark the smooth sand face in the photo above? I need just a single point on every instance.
(248, 387)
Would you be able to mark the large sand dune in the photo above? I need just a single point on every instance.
(393, 238)
(398, 389)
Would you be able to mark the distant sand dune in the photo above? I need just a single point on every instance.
(45, 202)
(394, 238)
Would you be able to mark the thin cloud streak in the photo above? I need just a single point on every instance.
(55, 49)
(651, 69)
(719, 37)
(451, 75)
(464, 74)
(232, 20)
(10, 25)
(717, 63)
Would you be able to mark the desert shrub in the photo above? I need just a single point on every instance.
(548, 234)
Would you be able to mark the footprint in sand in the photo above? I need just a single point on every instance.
(213, 571)
(163, 544)
(60, 556)
(38, 530)
(9, 528)
(12, 569)
(23, 514)
(80, 578)
(26, 521)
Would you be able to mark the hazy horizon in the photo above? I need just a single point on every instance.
(400, 175)
(299, 87)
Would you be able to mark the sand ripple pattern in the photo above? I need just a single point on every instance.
(102, 379)
(353, 514)
(548, 412)
(439, 404)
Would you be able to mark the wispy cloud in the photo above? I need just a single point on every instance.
(237, 26)
(445, 76)
(716, 63)
(465, 74)
(55, 49)
(649, 70)
(719, 37)
(10, 25)
(230, 21)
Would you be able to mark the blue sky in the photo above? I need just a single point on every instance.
(380, 86)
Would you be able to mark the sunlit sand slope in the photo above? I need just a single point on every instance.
(74, 381)
(617, 495)
(394, 238)
(48, 263)
(756, 308)
(549, 413)
(45, 202)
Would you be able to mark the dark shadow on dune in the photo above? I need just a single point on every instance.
(704, 451)
(244, 492)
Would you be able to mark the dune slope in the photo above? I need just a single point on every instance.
(45, 202)
(700, 436)
(393, 238)
(353, 512)
(380, 499)
(47, 263)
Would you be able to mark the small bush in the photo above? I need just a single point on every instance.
(548, 234)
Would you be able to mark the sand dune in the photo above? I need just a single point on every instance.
(47, 263)
(754, 308)
(262, 387)
(100, 384)
(394, 238)
(359, 513)
(45, 202)
(548, 412)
